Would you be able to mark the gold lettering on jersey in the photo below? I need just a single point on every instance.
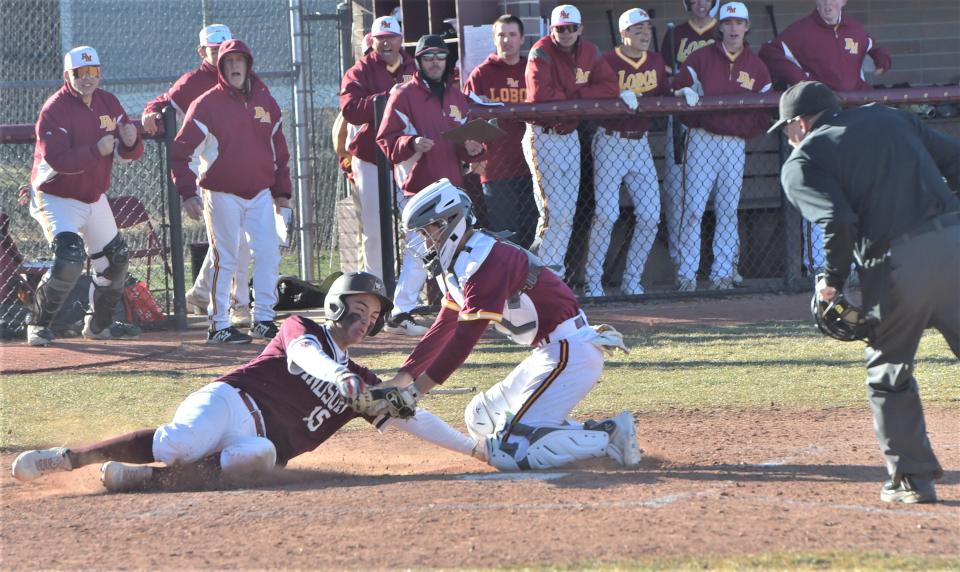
(455, 113)
(507, 94)
(639, 82)
(262, 114)
(107, 123)
(745, 81)
(407, 77)
(851, 46)
(582, 76)
(688, 48)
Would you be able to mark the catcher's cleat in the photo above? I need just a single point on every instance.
(405, 325)
(197, 302)
(908, 490)
(115, 331)
(623, 447)
(39, 336)
(121, 477)
(266, 330)
(31, 465)
(228, 335)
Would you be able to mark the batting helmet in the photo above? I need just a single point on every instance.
(335, 304)
(838, 318)
(445, 205)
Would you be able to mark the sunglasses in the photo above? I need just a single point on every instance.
(569, 29)
(431, 56)
(85, 72)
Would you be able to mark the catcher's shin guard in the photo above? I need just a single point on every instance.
(107, 287)
(68, 258)
(551, 449)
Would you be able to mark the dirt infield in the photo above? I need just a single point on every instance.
(714, 482)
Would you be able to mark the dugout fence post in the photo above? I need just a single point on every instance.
(387, 236)
(176, 223)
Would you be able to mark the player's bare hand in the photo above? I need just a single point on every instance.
(422, 144)
(193, 207)
(106, 144)
(402, 379)
(480, 168)
(149, 121)
(827, 293)
(473, 148)
(879, 71)
(281, 202)
(128, 134)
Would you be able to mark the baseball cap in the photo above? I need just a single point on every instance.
(385, 26)
(734, 10)
(79, 57)
(714, 8)
(430, 43)
(565, 14)
(633, 16)
(804, 99)
(367, 43)
(214, 35)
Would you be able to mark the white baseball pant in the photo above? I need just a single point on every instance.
(672, 194)
(240, 291)
(94, 222)
(215, 419)
(368, 190)
(412, 276)
(714, 167)
(616, 160)
(554, 161)
(227, 216)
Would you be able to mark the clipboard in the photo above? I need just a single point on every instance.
(478, 130)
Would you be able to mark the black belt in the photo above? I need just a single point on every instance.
(936, 223)
(626, 134)
(254, 412)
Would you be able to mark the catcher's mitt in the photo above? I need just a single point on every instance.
(400, 402)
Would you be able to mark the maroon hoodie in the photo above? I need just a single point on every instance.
(501, 82)
(190, 86)
(233, 138)
(66, 162)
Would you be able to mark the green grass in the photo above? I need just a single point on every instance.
(782, 364)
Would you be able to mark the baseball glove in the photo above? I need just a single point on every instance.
(400, 402)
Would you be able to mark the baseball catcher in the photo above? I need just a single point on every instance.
(285, 402)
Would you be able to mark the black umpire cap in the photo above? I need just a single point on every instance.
(804, 99)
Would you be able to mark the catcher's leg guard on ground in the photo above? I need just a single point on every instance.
(550, 448)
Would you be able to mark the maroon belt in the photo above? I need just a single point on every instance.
(254, 412)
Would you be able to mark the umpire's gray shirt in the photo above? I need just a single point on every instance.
(868, 175)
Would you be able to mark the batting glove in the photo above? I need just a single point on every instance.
(691, 97)
(630, 99)
(351, 388)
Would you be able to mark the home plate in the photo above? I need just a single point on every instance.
(513, 477)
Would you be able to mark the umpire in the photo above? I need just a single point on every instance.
(873, 179)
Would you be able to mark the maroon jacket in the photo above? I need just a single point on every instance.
(365, 81)
(710, 71)
(498, 81)
(555, 75)
(239, 137)
(811, 49)
(414, 111)
(189, 87)
(687, 39)
(645, 76)
(66, 162)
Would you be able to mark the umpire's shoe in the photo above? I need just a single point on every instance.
(908, 490)
(35, 464)
(121, 477)
(115, 331)
(266, 329)
(404, 324)
(228, 335)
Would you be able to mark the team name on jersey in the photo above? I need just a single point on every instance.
(745, 81)
(851, 46)
(262, 114)
(330, 401)
(639, 82)
(582, 76)
(108, 123)
(688, 48)
(507, 94)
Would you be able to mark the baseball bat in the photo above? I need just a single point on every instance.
(676, 130)
(614, 36)
(773, 19)
(452, 390)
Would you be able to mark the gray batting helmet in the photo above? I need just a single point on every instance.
(335, 304)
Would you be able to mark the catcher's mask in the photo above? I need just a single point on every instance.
(838, 318)
(335, 304)
(448, 209)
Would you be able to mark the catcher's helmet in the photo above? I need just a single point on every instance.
(445, 205)
(335, 304)
(838, 318)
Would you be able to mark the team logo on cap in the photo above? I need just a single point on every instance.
(564, 14)
(88, 58)
(731, 9)
(851, 46)
(385, 25)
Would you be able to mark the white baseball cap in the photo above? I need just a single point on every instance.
(386, 26)
(565, 14)
(214, 35)
(633, 16)
(79, 57)
(734, 10)
(367, 43)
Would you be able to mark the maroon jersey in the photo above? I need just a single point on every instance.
(712, 71)
(299, 411)
(811, 49)
(555, 75)
(643, 76)
(189, 87)
(498, 81)
(687, 39)
(368, 79)
(480, 299)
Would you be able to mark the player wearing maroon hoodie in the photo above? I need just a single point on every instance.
(561, 66)
(233, 137)
(411, 136)
(715, 150)
(81, 130)
(287, 401)
(507, 185)
(372, 76)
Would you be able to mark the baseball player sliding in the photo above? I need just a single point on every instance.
(523, 420)
(285, 402)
